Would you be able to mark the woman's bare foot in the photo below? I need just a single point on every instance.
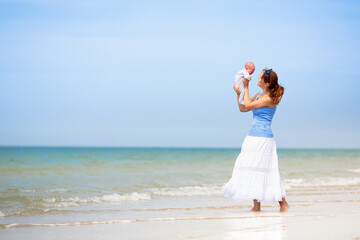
(284, 206)
(256, 206)
(256, 209)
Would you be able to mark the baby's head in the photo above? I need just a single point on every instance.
(250, 67)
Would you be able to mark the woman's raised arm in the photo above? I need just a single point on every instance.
(242, 107)
(254, 97)
(251, 104)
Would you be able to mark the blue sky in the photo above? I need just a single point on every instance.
(160, 73)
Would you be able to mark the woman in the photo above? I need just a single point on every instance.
(256, 175)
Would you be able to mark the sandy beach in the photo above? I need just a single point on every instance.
(326, 213)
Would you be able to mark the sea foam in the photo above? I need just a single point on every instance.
(322, 181)
(61, 202)
(197, 190)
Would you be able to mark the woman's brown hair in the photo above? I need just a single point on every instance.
(276, 90)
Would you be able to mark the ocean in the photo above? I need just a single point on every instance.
(66, 186)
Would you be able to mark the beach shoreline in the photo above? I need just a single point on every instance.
(327, 217)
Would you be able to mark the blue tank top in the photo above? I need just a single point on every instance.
(261, 124)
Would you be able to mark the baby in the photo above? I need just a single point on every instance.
(244, 73)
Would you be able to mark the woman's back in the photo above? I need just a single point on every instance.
(261, 124)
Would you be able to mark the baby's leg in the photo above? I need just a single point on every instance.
(241, 98)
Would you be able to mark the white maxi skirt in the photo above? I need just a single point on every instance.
(256, 173)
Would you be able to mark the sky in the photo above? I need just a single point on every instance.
(160, 73)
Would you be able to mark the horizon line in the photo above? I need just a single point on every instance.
(180, 147)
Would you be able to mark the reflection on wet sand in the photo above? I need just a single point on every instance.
(261, 226)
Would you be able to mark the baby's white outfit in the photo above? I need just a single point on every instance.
(238, 82)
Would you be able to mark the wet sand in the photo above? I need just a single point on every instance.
(317, 213)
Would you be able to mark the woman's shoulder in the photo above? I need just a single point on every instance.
(274, 105)
(269, 102)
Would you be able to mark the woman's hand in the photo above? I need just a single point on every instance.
(237, 90)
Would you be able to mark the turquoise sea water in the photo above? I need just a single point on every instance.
(49, 180)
